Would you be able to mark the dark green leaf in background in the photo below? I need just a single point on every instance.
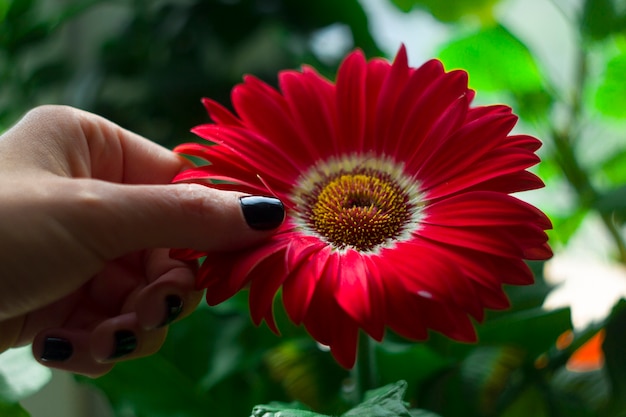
(413, 362)
(535, 331)
(613, 202)
(487, 372)
(601, 18)
(12, 410)
(154, 387)
(614, 347)
(584, 394)
(530, 403)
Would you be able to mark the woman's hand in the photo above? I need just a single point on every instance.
(86, 216)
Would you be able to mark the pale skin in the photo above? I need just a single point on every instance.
(86, 216)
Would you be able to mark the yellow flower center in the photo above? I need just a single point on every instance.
(359, 210)
(358, 203)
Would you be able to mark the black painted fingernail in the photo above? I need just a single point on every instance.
(56, 349)
(173, 308)
(125, 343)
(262, 213)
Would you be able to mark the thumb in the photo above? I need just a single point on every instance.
(132, 217)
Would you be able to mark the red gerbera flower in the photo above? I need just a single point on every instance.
(399, 213)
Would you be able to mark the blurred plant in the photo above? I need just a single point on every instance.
(145, 64)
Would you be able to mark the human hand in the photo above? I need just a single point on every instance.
(86, 215)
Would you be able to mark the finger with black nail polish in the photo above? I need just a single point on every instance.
(173, 307)
(125, 342)
(262, 213)
(56, 349)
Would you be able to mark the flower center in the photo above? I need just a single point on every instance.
(359, 203)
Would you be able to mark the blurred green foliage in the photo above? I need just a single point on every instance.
(146, 64)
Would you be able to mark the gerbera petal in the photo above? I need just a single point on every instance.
(256, 256)
(480, 112)
(351, 102)
(268, 115)
(344, 346)
(404, 313)
(389, 93)
(412, 104)
(199, 150)
(492, 298)
(509, 183)
(448, 161)
(300, 285)
(256, 150)
(352, 291)
(484, 208)
(376, 326)
(439, 108)
(265, 280)
(313, 112)
(494, 165)
(478, 239)
(215, 269)
(524, 141)
(323, 312)
(432, 275)
(448, 320)
(219, 114)
(377, 70)
(226, 163)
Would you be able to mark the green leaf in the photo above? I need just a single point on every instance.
(451, 10)
(600, 18)
(613, 202)
(486, 372)
(613, 346)
(610, 98)
(277, 409)
(413, 362)
(581, 393)
(4, 8)
(534, 330)
(12, 410)
(386, 401)
(495, 59)
(414, 412)
(614, 167)
(530, 403)
(305, 372)
(153, 386)
(18, 8)
(20, 375)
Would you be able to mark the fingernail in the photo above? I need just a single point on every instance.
(125, 343)
(56, 349)
(262, 213)
(173, 308)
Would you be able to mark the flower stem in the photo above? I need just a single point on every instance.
(365, 372)
(568, 161)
